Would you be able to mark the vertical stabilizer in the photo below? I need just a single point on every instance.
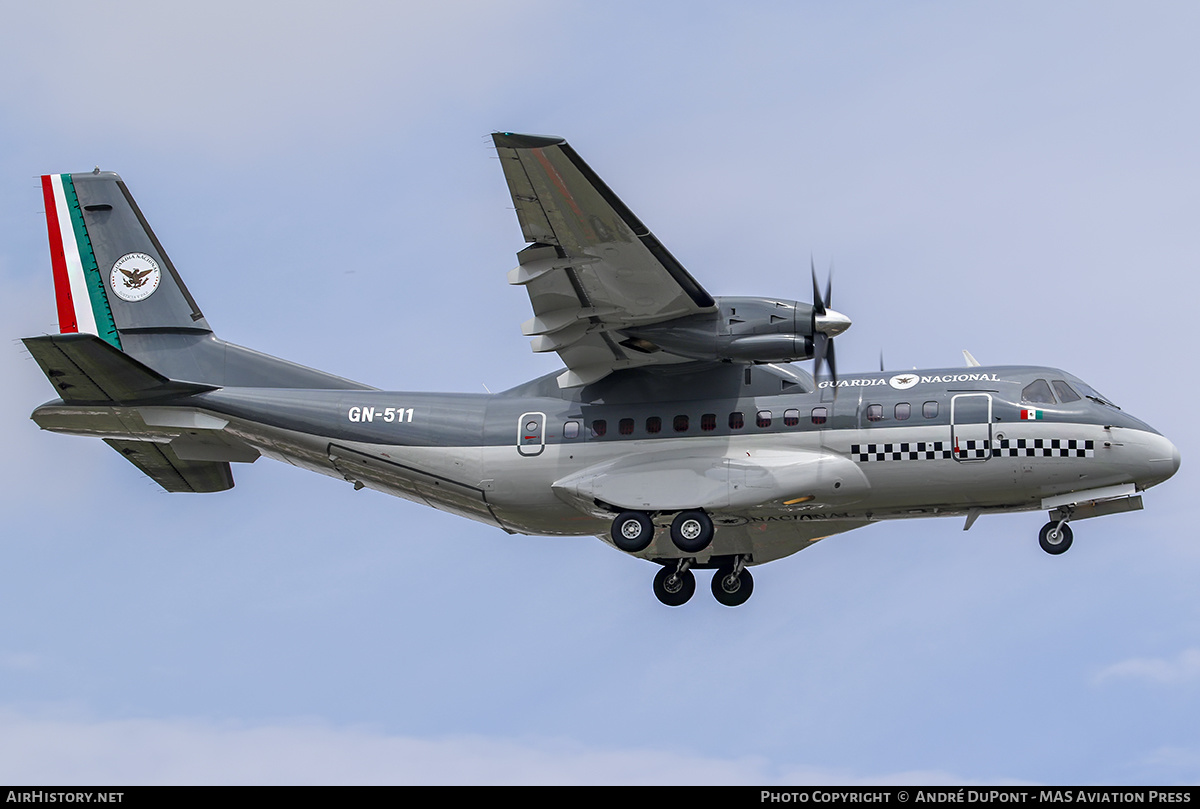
(111, 274)
(113, 279)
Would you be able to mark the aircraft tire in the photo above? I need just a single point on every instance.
(1054, 544)
(730, 590)
(692, 531)
(632, 531)
(673, 589)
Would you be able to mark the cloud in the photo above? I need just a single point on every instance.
(1183, 669)
(64, 751)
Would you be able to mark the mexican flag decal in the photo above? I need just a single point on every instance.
(1033, 414)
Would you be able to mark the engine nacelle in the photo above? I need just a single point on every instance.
(741, 330)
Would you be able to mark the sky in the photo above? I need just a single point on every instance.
(1019, 179)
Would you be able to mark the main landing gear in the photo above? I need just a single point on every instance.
(675, 584)
(732, 584)
(632, 531)
(691, 531)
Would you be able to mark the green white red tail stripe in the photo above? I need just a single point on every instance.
(78, 286)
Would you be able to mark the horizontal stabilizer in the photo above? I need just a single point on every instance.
(166, 468)
(85, 368)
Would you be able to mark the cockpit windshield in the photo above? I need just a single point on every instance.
(1095, 395)
(1041, 391)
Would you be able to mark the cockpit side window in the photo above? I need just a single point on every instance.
(1037, 392)
(1064, 391)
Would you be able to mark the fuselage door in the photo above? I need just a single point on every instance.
(531, 434)
(971, 426)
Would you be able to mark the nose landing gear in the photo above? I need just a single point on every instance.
(1055, 537)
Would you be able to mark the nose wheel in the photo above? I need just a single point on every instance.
(1055, 537)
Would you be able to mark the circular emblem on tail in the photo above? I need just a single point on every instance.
(134, 277)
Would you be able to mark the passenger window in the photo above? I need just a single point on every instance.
(708, 422)
(763, 419)
(625, 426)
(874, 412)
(653, 425)
(791, 417)
(1065, 392)
(681, 424)
(929, 410)
(736, 421)
(1037, 392)
(903, 411)
(571, 429)
(599, 427)
(819, 415)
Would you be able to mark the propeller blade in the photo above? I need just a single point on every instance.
(832, 360)
(820, 344)
(826, 323)
(818, 303)
(823, 354)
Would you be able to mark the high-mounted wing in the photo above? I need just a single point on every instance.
(592, 267)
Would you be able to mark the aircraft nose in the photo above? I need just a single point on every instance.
(1163, 460)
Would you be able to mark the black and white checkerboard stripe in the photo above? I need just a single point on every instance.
(1045, 448)
(976, 450)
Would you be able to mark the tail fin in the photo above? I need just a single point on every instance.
(95, 225)
(113, 279)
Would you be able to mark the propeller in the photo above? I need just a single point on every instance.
(826, 324)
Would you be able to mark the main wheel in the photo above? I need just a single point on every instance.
(632, 531)
(732, 590)
(1055, 540)
(674, 589)
(691, 531)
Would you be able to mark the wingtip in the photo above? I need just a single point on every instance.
(513, 140)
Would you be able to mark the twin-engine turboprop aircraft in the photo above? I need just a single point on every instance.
(679, 432)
